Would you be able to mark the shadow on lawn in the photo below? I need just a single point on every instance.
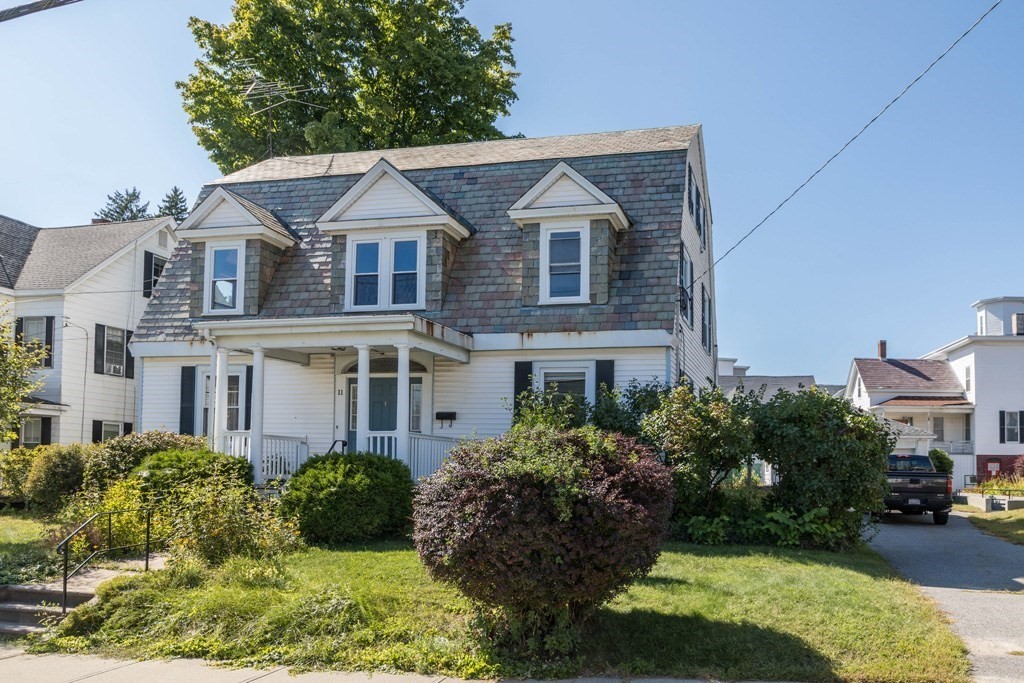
(645, 643)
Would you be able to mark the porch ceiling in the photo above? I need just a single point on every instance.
(310, 335)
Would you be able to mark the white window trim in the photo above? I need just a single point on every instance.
(200, 400)
(589, 368)
(385, 265)
(545, 298)
(31, 444)
(108, 423)
(1016, 427)
(208, 308)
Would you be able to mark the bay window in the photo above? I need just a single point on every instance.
(564, 263)
(386, 272)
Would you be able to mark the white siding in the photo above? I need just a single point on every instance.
(300, 401)
(47, 306)
(564, 192)
(999, 378)
(386, 198)
(480, 392)
(161, 391)
(225, 215)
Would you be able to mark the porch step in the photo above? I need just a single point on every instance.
(28, 608)
(38, 594)
(27, 614)
(18, 630)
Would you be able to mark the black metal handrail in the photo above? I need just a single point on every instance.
(64, 547)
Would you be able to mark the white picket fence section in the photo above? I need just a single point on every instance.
(428, 453)
(382, 443)
(282, 455)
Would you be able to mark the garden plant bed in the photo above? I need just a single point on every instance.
(1008, 526)
(727, 613)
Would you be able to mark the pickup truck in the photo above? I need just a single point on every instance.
(915, 487)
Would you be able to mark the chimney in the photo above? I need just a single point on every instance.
(881, 349)
(99, 221)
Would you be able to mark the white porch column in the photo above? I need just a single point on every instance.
(220, 401)
(363, 399)
(256, 425)
(402, 428)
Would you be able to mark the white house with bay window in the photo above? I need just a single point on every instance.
(79, 292)
(395, 301)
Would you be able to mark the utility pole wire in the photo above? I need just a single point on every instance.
(32, 8)
(851, 140)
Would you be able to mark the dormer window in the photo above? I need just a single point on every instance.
(565, 263)
(224, 268)
(386, 272)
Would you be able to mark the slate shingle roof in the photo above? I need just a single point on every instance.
(907, 374)
(16, 240)
(470, 154)
(59, 256)
(478, 182)
(268, 218)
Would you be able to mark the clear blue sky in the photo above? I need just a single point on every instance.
(896, 239)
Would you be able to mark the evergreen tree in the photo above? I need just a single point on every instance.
(174, 205)
(124, 206)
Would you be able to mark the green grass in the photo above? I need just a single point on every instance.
(25, 552)
(1008, 526)
(969, 509)
(713, 612)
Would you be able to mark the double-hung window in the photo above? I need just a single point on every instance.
(34, 331)
(224, 268)
(705, 319)
(564, 263)
(939, 428)
(685, 285)
(113, 351)
(387, 272)
(1010, 422)
(32, 432)
(565, 379)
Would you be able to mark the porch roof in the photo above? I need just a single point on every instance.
(926, 401)
(326, 333)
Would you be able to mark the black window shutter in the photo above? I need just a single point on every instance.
(1002, 426)
(48, 361)
(19, 330)
(97, 431)
(248, 397)
(99, 345)
(147, 274)
(129, 359)
(523, 370)
(604, 375)
(1020, 426)
(46, 430)
(187, 415)
(127, 428)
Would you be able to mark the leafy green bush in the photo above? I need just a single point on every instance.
(541, 526)
(218, 517)
(827, 454)
(15, 465)
(706, 440)
(623, 410)
(1002, 485)
(120, 456)
(941, 460)
(337, 498)
(548, 408)
(126, 528)
(164, 472)
(56, 472)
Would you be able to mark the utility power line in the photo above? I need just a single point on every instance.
(32, 8)
(851, 140)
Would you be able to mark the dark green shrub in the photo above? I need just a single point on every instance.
(120, 456)
(337, 498)
(623, 410)
(219, 516)
(541, 526)
(163, 472)
(827, 454)
(15, 465)
(548, 408)
(56, 472)
(941, 460)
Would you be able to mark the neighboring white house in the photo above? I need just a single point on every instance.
(733, 378)
(968, 393)
(81, 291)
(400, 299)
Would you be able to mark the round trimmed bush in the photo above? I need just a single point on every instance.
(337, 498)
(544, 526)
(164, 472)
(56, 471)
(118, 457)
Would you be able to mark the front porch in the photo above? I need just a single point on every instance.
(382, 376)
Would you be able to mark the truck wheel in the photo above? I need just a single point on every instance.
(940, 518)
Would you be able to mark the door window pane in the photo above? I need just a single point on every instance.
(403, 287)
(366, 277)
(415, 407)
(564, 264)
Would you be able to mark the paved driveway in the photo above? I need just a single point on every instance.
(977, 579)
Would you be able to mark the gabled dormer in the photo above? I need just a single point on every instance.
(236, 247)
(570, 235)
(394, 243)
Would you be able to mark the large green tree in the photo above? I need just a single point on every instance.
(380, 73)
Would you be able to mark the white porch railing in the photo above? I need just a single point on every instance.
(382, 443)
(282, 455)
(955, 447)
(428, 453)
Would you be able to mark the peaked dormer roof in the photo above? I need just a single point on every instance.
(385, 198)
(227, 214)
(564, 192)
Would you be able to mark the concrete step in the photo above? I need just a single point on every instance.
(31, 594)
(28, 615)
(9, 629)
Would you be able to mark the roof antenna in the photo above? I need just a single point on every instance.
(272, 94)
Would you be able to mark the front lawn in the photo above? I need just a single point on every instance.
(718, 612)
(25, 552)
(1008, 526)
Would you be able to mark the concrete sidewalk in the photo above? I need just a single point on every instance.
(16, 665)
